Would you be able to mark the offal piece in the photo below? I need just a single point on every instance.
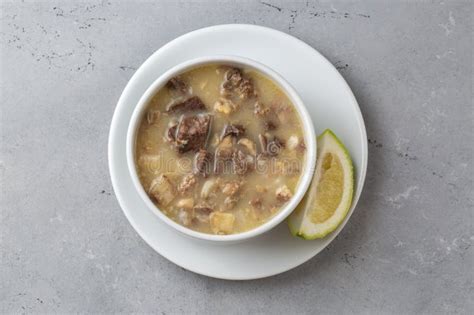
(231, 188)
(237, 85)
(171, 132)
(187, 183)
(177, 86)
(162, 190)
(221, 222)
(274, 146)
(202, 163)
(192, 132)
(232, 79)
(232, 130)
(246, 89)
(271, 147)
(191, 104)
(223, 155)
(241, 162)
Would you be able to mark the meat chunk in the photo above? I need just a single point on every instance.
(162, 190)
(242, 163)
(171, 132)
(283, 193)
(177, 86)
(236, 85)
(223, 161)
(271, 147)
(231, 188)
(202, 163)
(232, 77)
(191, 104)
(232, 130)
(221, 222)
(223, 156)
(274, 146)
(246, 89)
(187, 183)
(192, 132)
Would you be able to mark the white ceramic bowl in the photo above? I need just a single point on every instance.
(309, 134)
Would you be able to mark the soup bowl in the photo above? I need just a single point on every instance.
(307, 127)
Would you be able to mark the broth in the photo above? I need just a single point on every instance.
(220, 149)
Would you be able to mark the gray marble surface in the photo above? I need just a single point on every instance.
(65, 244)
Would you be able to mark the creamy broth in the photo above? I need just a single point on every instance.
(220, 149)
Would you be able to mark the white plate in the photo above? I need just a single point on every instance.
(330, 103)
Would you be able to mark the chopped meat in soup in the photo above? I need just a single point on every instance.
(192, 132)
(191, 104)
(220, 149)
(236, 85)
(233, 130)
(178, 87)
(202, 162)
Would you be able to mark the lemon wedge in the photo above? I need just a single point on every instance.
(329, 196)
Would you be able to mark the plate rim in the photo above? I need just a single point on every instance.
(250, 28)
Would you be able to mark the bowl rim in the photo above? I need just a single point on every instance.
(308, 130)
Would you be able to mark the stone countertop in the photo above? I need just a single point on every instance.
(66, 245)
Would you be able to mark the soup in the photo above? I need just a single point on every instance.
(220, 149)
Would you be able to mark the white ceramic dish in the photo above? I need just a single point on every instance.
(330, 103)
(307, 125)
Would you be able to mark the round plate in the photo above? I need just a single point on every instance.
(330, 103)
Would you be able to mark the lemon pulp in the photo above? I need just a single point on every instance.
(330, 189)
(329, 196)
